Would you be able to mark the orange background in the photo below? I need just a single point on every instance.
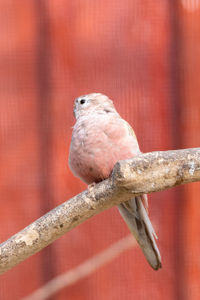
(145, 55)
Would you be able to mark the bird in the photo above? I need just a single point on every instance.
(100, 138)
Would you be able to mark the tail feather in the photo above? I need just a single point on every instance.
(135, 215)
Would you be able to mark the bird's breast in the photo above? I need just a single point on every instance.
(97, 144)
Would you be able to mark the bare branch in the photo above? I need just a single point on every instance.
(156, 171)
(145, 173)
(84, 269)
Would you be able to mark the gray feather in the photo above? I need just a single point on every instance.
(135, 215)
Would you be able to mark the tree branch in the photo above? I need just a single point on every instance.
(145, 173)
(86, 268)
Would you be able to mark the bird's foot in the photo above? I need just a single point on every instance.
(91, 186)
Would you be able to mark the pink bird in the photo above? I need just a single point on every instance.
(100, 138)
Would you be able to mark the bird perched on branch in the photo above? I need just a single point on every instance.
(100, 138)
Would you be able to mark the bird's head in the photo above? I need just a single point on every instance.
(91, 103)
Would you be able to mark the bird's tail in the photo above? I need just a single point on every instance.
(136, 217)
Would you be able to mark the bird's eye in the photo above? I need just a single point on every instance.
(82, 101)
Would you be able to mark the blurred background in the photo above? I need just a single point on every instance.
(145, 55)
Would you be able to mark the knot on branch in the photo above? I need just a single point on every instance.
(154, 171)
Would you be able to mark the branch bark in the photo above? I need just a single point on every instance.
(145, 173)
